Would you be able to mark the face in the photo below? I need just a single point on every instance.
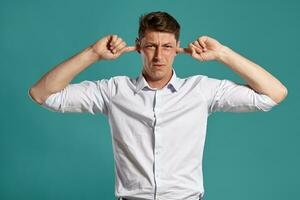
(158, 50)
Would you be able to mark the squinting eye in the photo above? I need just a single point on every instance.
(149, 46)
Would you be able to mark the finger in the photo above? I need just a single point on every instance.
(196, 54)
(113, 39)
(183, 50)
(192, 49)
(117, 42)
(108, 38)
(201, 44)
(130, 48)
(196, 43)
(197, 49)
(119, 47)
(202, 41)
(127, 49)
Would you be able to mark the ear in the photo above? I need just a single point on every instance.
(177, 45)
(138, 45)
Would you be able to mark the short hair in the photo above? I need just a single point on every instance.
(158, 21)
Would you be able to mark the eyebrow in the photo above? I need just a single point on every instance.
(168, 43)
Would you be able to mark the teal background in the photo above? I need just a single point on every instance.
(47, 155)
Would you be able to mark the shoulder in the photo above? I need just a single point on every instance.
(114, 80)
(203, 83)
(205, 79)
(117, 84)
(194, 79)
(122, 80)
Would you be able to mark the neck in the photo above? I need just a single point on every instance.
(159, 84)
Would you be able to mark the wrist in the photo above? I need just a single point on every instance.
(223, 54)
(92, 54)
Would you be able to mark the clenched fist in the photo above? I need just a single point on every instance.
(203, 49)
(111, 47)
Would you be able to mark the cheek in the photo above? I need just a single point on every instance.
(169, 52)
(169, 55)
(147, 55)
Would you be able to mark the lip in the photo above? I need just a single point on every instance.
(158, 65)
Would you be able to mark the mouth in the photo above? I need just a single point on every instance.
(158, 65)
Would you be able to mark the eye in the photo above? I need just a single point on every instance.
(149, 46)
(168, 46)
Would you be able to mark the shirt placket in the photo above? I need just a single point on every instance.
(157, 142)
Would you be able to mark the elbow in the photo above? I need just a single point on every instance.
(282, 94)
(33, 93)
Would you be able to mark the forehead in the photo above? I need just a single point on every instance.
(159, 37)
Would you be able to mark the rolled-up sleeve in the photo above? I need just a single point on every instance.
(85, 97)
(228, 96)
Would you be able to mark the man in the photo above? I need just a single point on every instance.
(158, 120)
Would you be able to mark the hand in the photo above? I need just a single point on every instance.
(111, 47)
(203, 49)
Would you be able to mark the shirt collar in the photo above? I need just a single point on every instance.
(142, 83)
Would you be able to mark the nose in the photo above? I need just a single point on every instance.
(158, 53)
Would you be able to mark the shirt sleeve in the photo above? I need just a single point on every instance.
(85, 97)
(228, 96)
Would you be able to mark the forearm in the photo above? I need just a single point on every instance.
(258, 78)
(60, 76)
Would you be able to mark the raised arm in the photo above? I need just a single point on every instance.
(206, 48)
(107, 48)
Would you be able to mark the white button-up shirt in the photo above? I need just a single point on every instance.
(158, 135)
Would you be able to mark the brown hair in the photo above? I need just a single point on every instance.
(158, 21)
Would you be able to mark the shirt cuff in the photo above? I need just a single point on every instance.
(266, 102)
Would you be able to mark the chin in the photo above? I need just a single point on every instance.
(158, 75)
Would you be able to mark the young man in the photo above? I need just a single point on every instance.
(158, 120)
